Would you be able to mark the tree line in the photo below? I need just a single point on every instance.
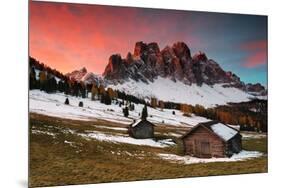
(251, 116)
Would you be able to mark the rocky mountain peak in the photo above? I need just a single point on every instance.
(181, 50)
(153, 48)
(175, 62)
(140, 48)
(256, 88)
(77, 74)
(200, 57)
(84, 70)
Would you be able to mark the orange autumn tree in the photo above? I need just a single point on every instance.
(112, 94)
(95, 92)
(185, 108)
(101, 90)
(161, 104)
(153, 102)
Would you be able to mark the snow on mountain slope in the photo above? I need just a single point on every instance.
(77, 74)
(90, 78)
(84, 76)
(168, 90)
(53, 105)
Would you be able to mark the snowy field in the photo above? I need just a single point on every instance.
(53, 105)
(128, 140)
(243, 155)
(168, 90)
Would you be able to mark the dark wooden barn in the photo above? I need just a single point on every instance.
(141, 129)
(212, 139)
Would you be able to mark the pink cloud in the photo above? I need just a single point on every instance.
(256, 53)
(256, 59)
(69, 36)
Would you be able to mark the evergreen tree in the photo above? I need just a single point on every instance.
(126, 111)
(66, 88)
(75, 88)
(32, 79)
(82, 90)
(105, 99)
(131, 107)
(66, 101)
(51, 85)
(61, 86)
(144, 113)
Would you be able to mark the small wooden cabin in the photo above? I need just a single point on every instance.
(212, 139)
(141, 129)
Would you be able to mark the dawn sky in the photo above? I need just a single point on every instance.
(72, 36)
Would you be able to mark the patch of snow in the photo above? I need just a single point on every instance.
(174, 134)
(223, 131)
(42, 132)
(125, 139)
(66, 131)
(112, 128)
(262, 97)
(243, 155)
(70, 143)
(167, 141)
(128, 153)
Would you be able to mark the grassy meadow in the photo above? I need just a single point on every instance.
(59, 157)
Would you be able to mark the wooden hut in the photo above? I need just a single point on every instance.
(212, 139)
(141, 129)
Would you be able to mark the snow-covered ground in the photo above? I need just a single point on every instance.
(110, 137)
(53, 105)
(111, 128)
(42, 132)
(126, 139)
(243, 155)
(168, 90)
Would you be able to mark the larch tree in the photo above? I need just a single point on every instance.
(95, 92)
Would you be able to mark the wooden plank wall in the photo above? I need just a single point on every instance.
(217, 146)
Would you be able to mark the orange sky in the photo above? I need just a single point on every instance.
(71, 36)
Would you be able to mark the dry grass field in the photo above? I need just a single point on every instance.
(60, 157)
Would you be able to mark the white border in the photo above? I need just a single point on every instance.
(13, 95)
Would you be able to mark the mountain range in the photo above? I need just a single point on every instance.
(175, 62)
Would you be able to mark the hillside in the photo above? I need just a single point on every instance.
(172, 74)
